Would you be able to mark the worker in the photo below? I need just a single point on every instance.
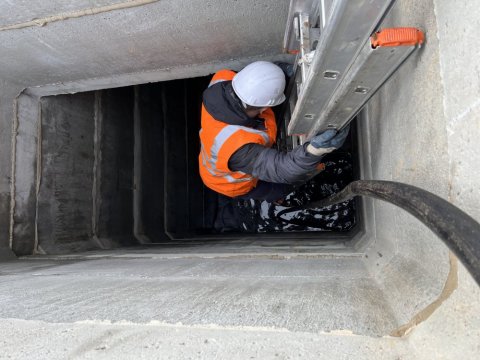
(239, 129)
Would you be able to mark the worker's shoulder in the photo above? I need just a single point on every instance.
(224, 74)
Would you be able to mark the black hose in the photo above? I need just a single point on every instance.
(456, 229)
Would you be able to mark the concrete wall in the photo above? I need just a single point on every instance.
(150, 163)
(84, 174)
(422, 128)
(64, 205)
(455, 328)
(8, 91)
(409, 145)
(172, 193)
(457, 28)
(114, 178)
(89, 45)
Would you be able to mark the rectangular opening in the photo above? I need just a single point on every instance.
(119, 167)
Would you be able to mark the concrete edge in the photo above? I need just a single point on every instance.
(149, 76)
(185, 255)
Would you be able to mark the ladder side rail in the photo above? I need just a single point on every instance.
(349, 26)
(368, 73)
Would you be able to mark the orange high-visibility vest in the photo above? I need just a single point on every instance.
(220, 140)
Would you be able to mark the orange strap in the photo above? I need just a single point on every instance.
(406, 36)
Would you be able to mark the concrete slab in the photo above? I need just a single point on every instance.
(17, 11)
(298, 295)
(104, 340)
(158, 35)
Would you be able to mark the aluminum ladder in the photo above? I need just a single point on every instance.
(341, 61)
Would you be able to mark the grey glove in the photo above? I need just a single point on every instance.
(327, 141)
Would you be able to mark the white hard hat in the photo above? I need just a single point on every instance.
(260, 84)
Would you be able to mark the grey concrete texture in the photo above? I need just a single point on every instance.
(453, 331)
(422, 134)
(22, 339)
(303, 295)
(85, 173)
(64, 204)
(409, 144)
(114, 154)
(8, 91)
(458, 23)
(24, 170)
(158, 35)
(18, 11)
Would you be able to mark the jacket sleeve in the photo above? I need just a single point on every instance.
(293, 167)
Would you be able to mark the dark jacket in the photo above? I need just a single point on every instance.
(267, 164)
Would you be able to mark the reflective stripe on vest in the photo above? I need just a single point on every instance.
(210, 163)
(216, 81)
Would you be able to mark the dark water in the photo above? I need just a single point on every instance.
(254, 216)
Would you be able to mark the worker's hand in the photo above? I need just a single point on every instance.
(327, 141)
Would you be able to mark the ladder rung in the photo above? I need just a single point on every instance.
(368, 73)
(348, 28)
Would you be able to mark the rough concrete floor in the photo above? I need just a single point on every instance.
(22, 339)
(140, 306)
(298, 295)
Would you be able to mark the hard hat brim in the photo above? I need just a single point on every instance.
(280, 100)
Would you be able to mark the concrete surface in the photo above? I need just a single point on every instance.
(158, 35)
(24, 172)
(64, 203)
(409, 145)
(7, 92)
(458, 23)
(114, 176)
(156, 340)
(296, 294)
(421, 126)
(453, 331)
(422, 130)
(18, 11)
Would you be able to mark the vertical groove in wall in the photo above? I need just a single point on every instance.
(13, 167)
(97, 136)
(165, 161)
(138, 230)
(38, 172)
(185, 115)
(137, 168)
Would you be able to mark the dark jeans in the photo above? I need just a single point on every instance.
(268, 191)
(228, 215)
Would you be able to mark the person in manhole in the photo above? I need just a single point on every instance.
(238, 130)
